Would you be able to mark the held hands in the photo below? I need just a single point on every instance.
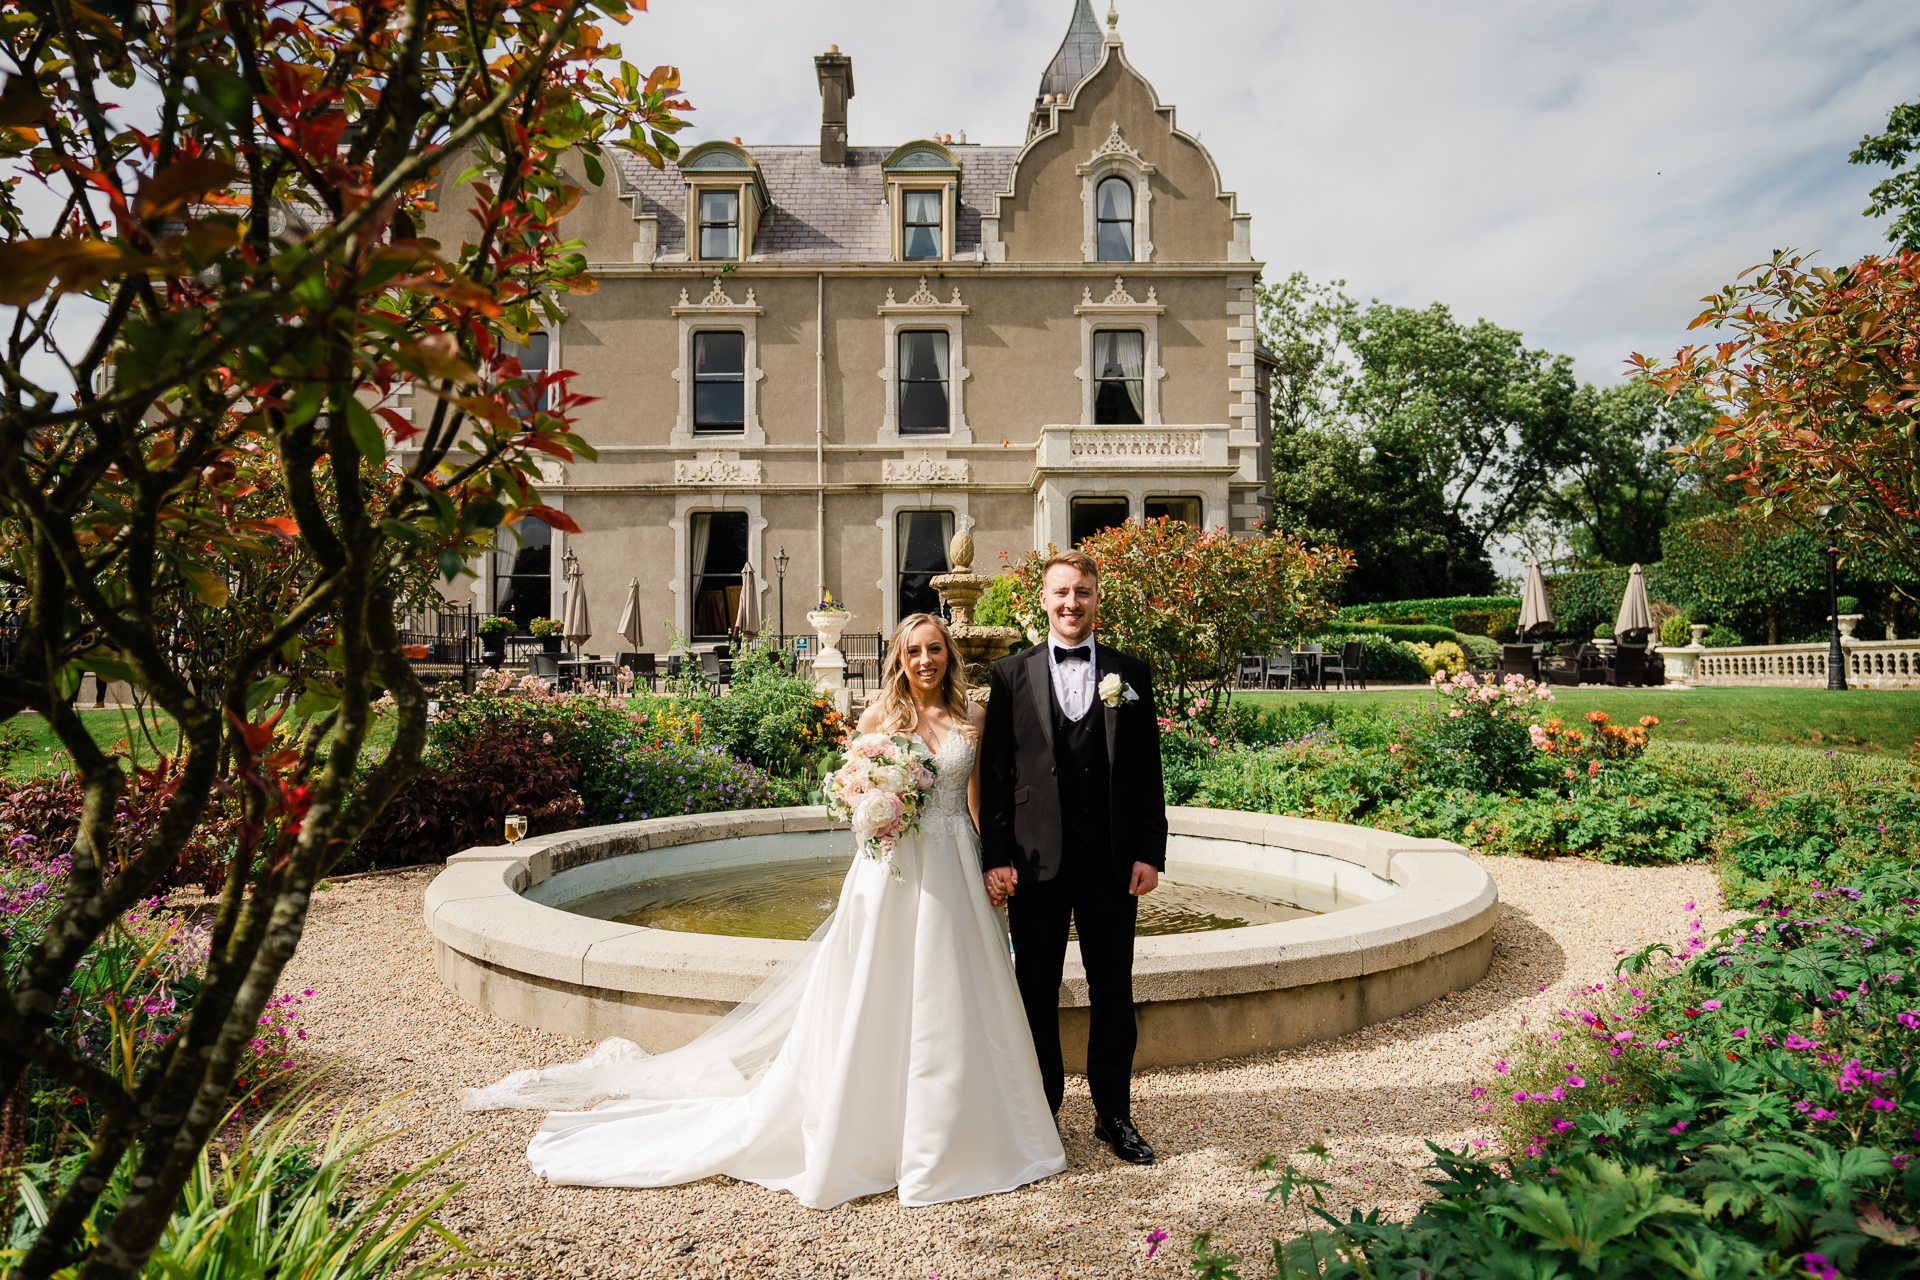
(1001, 882)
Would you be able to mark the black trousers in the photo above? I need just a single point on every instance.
(1103, 912)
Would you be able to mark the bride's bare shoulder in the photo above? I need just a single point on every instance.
(869, 720)
(977, 717)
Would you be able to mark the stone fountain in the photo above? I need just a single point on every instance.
(961, 589)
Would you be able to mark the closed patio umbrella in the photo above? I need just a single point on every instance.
(747, 622)
(574, 627)
(630, 615)
(1635, 615)
(1534, 609)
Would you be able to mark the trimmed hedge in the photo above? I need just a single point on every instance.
(1410, 635)
(1438, 607)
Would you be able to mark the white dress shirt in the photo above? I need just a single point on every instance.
(1073, 682)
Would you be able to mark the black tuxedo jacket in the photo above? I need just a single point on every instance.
(1019, 795)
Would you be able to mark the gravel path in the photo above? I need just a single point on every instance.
(382, 1018)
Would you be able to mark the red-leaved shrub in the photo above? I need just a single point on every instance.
(506, 768)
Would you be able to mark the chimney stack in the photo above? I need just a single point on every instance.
(835, 70)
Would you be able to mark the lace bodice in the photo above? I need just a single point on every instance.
(955, 765)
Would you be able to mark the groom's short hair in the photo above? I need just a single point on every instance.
(1076, 558)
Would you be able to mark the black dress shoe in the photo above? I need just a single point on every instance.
(1124, 1139)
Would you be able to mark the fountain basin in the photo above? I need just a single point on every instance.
(1420, 926)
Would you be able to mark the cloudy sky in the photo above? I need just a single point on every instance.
(1580, 171)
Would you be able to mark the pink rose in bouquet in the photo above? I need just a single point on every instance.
(880, 790)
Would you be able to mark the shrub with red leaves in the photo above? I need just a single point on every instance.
(506, 768)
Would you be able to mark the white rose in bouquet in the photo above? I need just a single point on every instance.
(875, 811)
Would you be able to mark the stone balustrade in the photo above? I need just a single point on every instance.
(1871, 664)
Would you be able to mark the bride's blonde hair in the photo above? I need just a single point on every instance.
(894, 707)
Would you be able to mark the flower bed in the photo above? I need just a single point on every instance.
(1739, 1105)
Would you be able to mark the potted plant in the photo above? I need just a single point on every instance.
(548, 632)
(494, 630)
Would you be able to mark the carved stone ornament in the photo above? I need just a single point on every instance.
(924, 297)
(728, 471)
(716, 300)
(923, 470)
(1115, 145)
(1119, 297)
(1134, 444)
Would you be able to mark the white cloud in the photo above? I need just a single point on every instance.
(1582, 172)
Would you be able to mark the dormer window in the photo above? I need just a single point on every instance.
(920, 232)
(1114, 216)
(726, 199)
(719, 226)
(923, 187)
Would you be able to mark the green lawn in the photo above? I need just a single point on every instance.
(114, 730)
(1871, 720)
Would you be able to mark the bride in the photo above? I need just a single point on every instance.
(893, 1053)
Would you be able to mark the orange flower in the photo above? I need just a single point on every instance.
(1553, 722)
(1597, 717)
(1647, 722)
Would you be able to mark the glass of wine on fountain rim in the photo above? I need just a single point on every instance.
(516, 827)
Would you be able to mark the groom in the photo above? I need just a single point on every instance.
(1073, 826)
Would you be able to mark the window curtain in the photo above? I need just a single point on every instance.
(702, 535)
(1131, 348)
(939, 344)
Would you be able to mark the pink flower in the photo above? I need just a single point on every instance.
(1797, 1041)
(1154, 1237)
(1879, 1104)
(1593, 767)
(1709, 1004)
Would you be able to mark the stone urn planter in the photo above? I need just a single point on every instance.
(830, 665)
(1848, 621)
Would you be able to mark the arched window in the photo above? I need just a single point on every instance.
(1113, 212)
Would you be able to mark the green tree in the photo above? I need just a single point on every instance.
(1623, 485)
(1470, 428)
(1303, 325)
(1899, 193)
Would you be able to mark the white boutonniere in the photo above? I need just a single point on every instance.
(1114, 690)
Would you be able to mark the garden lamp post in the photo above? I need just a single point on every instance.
(1831, 518)
(780, 572)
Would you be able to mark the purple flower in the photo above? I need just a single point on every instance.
(1797, 1041)
(1154, 1237)
(1678, 1126)
(1819, 1267)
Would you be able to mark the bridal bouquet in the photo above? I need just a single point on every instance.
(880, 790)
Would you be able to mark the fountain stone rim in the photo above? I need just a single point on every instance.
(1322, 975)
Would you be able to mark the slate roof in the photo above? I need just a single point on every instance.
(821, 213)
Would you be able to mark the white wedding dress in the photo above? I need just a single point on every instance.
(893, 1053)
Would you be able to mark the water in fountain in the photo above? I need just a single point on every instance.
(790, 899)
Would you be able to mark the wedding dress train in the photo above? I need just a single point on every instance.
(894, 1052)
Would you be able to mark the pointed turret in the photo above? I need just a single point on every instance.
(1079, 55)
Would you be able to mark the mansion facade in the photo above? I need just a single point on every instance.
(845, 353)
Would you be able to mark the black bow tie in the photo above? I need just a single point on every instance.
(1082, 654)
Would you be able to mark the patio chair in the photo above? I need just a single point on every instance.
(1279, 670)
(715, 673)
(641, 664)
(1627, 665)
(1519, 660)
(1349, 666)
(1306, 666)
(544, 665)
(1251, 673)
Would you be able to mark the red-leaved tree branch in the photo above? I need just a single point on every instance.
(1815, 382)
(206, 487)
